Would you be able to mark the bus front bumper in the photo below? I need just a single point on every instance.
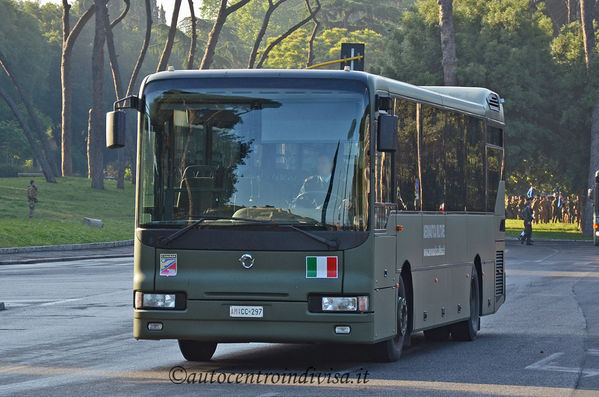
(286, 322)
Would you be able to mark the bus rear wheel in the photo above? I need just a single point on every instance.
(391, 349)
(194, 350)
(468, 329)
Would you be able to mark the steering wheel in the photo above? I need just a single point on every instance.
(314, 199)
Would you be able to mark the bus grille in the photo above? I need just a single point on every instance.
(499, 275)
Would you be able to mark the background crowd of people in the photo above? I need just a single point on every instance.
(546, 209)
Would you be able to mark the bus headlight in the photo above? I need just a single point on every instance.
(344, 303)
(167, 301)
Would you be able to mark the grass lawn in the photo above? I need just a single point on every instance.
(559, 231)
(62, 206)
(60, 211)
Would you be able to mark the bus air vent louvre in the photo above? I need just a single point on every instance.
(493, 101)
(499, 274)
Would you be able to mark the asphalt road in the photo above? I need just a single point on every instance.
(66, 331)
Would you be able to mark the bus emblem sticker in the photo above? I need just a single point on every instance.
(322, 267)
(247, 260)
(168, 265)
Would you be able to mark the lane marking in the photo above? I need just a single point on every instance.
(548, 273)
(54, 376)
(555, 252)
(548, 364)
(58, 302)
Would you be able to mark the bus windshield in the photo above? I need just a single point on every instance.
(229, 151)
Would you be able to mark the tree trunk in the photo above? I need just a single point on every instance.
(221, 17)
(116, 79)
(166, 53)
(192, 45)
(310, 60)
(37, 152)
(265, 21)
(90, 127)
(118, 90)
(587, 224)
(39, 130)
(571, 5)
(449, 59)
(589, 43)
(131, 137)
(292, 29)
(144, 49)
(123, 14)
(96, 134)
(586, 18)
(68, 41)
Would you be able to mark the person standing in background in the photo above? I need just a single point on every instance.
(32, 197)
(527, 216)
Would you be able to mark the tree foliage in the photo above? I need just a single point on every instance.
(509, 47)
(523, 50)
(26, 52)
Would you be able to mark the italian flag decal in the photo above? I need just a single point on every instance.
(322, 267)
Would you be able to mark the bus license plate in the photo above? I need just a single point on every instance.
(246, 311)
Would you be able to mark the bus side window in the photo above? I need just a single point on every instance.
(475, 166)
(406, 158)
(432, 152)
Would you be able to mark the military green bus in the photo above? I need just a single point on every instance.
(314, 206)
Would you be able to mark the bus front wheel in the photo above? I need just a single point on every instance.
(391, 349)
(194, 350)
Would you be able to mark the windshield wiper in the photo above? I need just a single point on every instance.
(327, 242)
(325, 205)
(165, 240)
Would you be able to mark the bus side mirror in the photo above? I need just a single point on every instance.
(115, 129)
(596, 192)
(387, 133)
(116, 121)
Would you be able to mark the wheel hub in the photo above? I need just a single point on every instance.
(402, 316)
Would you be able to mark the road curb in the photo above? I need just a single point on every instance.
(62, 259)
(66, 247)
(549, 240)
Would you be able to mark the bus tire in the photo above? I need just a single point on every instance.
(467, 330)
(390, 350)
(194, 350)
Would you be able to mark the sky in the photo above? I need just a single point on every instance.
(167, 4)
(183, 12)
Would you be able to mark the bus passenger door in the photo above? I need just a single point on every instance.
(385, 276)
(431, 297)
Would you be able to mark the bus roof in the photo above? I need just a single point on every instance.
(474, 100)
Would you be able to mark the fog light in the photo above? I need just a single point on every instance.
(154, 326)
(342, 329)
